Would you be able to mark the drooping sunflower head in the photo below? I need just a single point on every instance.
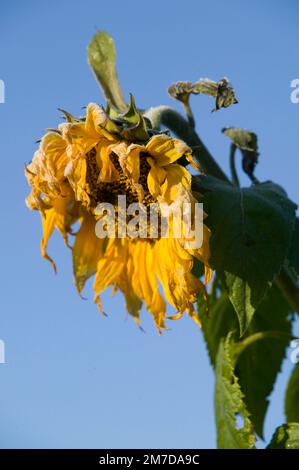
(117, 161)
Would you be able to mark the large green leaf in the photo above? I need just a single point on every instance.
(292, 397)
(101, 57)
(229, 403)
(259, 363)
(256, 376)
(220, 320)
(251, 236)
(285, 437)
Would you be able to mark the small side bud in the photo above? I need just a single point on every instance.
(246, 141)
(222, 91)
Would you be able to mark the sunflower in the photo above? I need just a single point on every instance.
(94, 160)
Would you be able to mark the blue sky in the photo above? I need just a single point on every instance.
(72, 377)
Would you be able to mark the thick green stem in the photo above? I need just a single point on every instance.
(171, 119)
(189, 113)
(289, 288)
(233, 171)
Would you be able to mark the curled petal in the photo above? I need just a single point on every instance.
(166, 150)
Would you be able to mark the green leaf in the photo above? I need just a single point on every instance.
(294, 250)
(251, 231)
(220, 321)
(101, 57)
(260, 363)
(245, 298)
(292, 397)
(285, 437)
(229, 403)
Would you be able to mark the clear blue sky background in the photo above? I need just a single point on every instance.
(74, 378)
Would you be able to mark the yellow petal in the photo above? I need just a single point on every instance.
(130, 162)
(86, 251)
(156, 177)
(173, 266)
(83, 136)
(61, 216)
(76, 174)
(48, 224)
(110, 266)
(166, 150)
(54, 158)
(108, 172)
(46, 171)
(176, 183)
(124, 283)
(145, 282)
(95, 118)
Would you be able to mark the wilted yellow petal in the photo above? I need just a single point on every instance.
(173, 267)
(75, 172)
(177, 178)
(108, 172)
(166, 150)
(110, 266)
(124, 283)
(83, 136)
(156, 177)
(48, 222)
(60, 216)
(130, 161)
(46, 171)
(87, 250)
(145, 282)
